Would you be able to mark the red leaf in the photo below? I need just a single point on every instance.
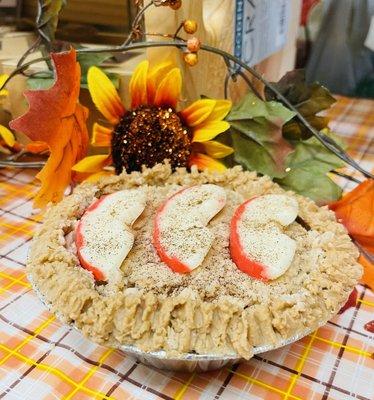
(351, 302)
(369, 326)
(56, 118)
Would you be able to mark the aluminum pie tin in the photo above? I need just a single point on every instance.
(199, 362)
(188, 362)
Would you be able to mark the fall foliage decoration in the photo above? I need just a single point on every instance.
(8, 141)
(56, 118)
(153, 130)
(356, 211)
(267, 137)
(368, 276)
(351, 302)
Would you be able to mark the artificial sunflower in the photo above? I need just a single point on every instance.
(3, 78)
(152, 130)
(7, 140)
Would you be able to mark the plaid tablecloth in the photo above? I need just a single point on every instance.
(42, 359)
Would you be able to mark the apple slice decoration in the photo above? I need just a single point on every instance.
(104, 236)
(258, 246)
(180, 236)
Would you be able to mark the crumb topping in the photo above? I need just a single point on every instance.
(214, 309)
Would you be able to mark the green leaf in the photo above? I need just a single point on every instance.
(252, 156)
(298, 165)
(309, 99)
(41, 80)
(87, 60)
(251, 107)
(47, 18)
(260, 124)
(313, 150)
(294, 130)
(39, 83)
(308, 181)
(307, 167)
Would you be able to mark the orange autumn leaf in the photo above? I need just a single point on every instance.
(356, 210)
(368, 276)
(36, 147)
(56, 118)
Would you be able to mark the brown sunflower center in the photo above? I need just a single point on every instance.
(148, 135)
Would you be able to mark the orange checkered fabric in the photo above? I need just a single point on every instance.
(42, 359)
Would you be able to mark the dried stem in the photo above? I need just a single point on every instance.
(23, 68)
(175, 36)
(226, 86)
(30, 50)
(39, 24)
(249, 83)
(349, 177)
(164, 35)
(135, 23)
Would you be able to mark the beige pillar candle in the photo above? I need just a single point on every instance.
(216, 26)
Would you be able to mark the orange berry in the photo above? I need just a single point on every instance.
(193, 44)
(190, 26)
(190, 59)
(175, 4)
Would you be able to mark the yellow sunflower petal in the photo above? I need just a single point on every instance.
(169, 90)
(7, 136)
(204, 162)
(198, 112)
(209, 130)
(138, 85)
(101, 135)
(104, 95)
(155, 76)
(92, 163)
(3, 78)
(215, 149)
(220, 110)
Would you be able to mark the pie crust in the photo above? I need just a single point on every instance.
(215, 309)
